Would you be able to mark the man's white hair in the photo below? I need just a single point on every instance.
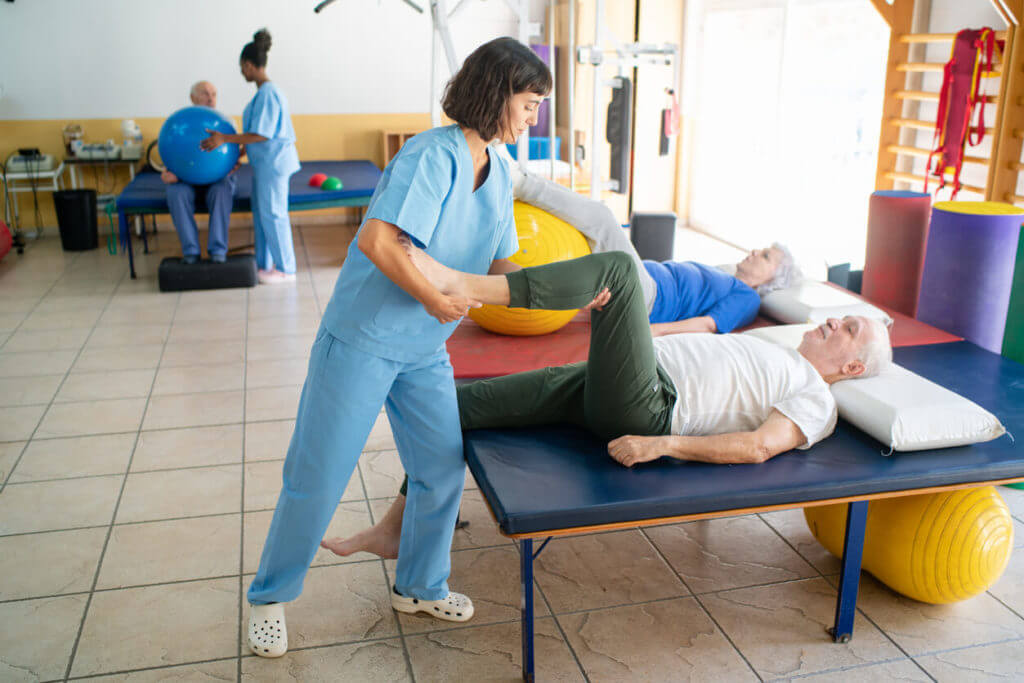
(193, 93)
(785, 275)
(876, 353)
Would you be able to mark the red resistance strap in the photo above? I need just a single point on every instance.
(973, 56)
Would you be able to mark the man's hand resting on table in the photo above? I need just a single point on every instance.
(168, 177)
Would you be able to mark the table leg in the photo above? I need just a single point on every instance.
(126, 240)
(849, 578)
(526, 605)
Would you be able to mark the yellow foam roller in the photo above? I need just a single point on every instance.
(936, 547)
(543, 238)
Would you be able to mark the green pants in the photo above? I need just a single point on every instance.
(619, 389)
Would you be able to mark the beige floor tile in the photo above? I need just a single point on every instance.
(263, 485)
(780, 629)
(141, 357)
(24, 391)
(272, 348)
(292, 308)
(284, 325)
(92, 417)
(901, 670)
(602, 570)
(204, 353)
(36, 637)
(188, 379)
(340, 603)
(47, 340)
(51, 505)
(792, 525)
(920, 628)
(10, 321)
(268, 440)
(348, 519)
(1014, 500)
(718, 554)
(150, 496)
(158, 625)
(34, 565)
(196, 311)
(490, 577)
(490, 653)
(33, 363)
(58, 304)
(382, 473)
(10, 451)
(127, 335)
(199, 333)
(139, 315)
(275, 373)
(660, 641)
(273, 403)
(380, 438)
(18, 423)
(92, 386)
(80, 456)
(62, 320)
(176, 550)
(1001, 662)
(381, 660)
(208, 672)
(480, 532)
(1009, 589)
(193, 410)
(188, 447)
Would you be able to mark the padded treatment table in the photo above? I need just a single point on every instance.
(560, 481)
(146, 194)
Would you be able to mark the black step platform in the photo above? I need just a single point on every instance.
(177, 276)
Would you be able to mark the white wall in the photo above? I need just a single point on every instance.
(137, 58)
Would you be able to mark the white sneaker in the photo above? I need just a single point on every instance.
(268, 635)
(274, 277)
(452, 607)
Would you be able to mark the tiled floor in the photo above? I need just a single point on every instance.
(141, 444)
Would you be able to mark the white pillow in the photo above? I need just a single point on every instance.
(816, 302)
(900, 408)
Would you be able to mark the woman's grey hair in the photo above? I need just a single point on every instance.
(876, 354)
(785, 275)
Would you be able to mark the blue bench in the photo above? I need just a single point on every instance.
(559, 481)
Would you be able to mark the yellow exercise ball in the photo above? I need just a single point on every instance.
(543, 238)
(936, 547)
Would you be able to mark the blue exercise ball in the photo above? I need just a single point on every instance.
(179, 146)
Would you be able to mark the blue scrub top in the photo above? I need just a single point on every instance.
(267, 114)
(427, 191)
(687, 290)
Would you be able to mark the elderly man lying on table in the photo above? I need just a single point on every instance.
(704, 397)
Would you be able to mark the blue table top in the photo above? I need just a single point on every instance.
(359, 179)
(548, 478)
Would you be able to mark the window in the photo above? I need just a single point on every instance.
(788, 107)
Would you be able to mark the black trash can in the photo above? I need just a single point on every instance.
(76, 216)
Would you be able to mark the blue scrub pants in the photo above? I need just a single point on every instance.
(341, 399)
(181, 200)
(273, 230)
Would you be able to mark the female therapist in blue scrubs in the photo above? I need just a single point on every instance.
(382, 343)
(269, 141)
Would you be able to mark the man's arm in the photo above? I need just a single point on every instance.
(777, 435)
(703, 323)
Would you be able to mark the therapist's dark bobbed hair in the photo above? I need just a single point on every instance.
(256, 52)
(477, 96)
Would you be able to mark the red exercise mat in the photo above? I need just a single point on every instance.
(476, 353)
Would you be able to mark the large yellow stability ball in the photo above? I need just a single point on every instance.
(935, 547)
(543, 238)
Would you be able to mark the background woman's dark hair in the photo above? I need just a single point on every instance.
(256, 51)
(477, 96)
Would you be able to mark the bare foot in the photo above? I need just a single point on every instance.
(441, 276)
(381, 539)
(372, 540)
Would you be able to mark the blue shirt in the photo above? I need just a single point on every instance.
(427, 191)
(687, 290)
(267, 115)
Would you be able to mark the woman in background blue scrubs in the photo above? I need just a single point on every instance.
(382, 343)
(269, 141)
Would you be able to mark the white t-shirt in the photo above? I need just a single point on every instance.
(732, 382)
